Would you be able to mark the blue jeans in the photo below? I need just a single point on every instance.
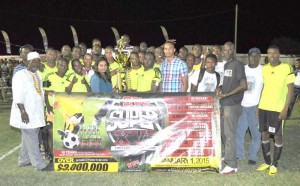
(248, 119)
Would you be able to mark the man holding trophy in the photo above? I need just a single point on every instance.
(121, 58)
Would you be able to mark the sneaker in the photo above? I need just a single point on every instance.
(25, 165)
(228, 170)
(251, 162)
(272, 170)
(49, 167)
(263, 167)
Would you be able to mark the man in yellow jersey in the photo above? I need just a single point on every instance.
(58, 82)
(149, 79)
(83, 48)
(66, 52)
(76, 54)
(49, 66)
(278, 90)
(197, 51)
(142, 57)
(46, 69)
(136, 69)
(78, 82)
(114, 67)
(58, 79)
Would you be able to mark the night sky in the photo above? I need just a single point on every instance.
(188, 21)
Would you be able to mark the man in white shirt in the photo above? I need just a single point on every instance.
(248, 117)
(27, 112)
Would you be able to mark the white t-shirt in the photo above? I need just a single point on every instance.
(190, 75)
(208, 83)
(90, 73)
(220, 69)
(255, 85)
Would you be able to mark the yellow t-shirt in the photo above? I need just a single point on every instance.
(156, 65)
(275, 89)
(133, 75)
(58, 84)
(144, 80)
(114, 79)
(70, 69)
(197, 67)
(78, 86)
(47, 72)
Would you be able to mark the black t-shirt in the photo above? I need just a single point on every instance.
(234, 72)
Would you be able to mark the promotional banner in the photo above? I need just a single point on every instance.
(137, 132)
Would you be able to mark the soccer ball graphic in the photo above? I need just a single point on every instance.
(71, 140)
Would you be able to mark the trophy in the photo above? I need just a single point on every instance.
(121, 58)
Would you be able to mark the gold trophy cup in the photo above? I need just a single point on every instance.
(121, 58)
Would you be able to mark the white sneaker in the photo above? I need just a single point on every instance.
(228, 170)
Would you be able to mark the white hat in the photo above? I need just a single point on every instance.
(33, 55)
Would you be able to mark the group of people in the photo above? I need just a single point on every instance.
(6, 68)
(244, 90)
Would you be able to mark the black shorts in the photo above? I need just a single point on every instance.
(49, 125)
(269, 122)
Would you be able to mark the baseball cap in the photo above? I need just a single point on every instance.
(26, 46)
(256, 50)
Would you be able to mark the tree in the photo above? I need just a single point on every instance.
(287, 45)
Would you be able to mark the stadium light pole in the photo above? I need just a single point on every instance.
(235, 27)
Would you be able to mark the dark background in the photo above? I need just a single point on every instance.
(188, 21)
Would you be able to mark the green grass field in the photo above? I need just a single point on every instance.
(289, 166)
